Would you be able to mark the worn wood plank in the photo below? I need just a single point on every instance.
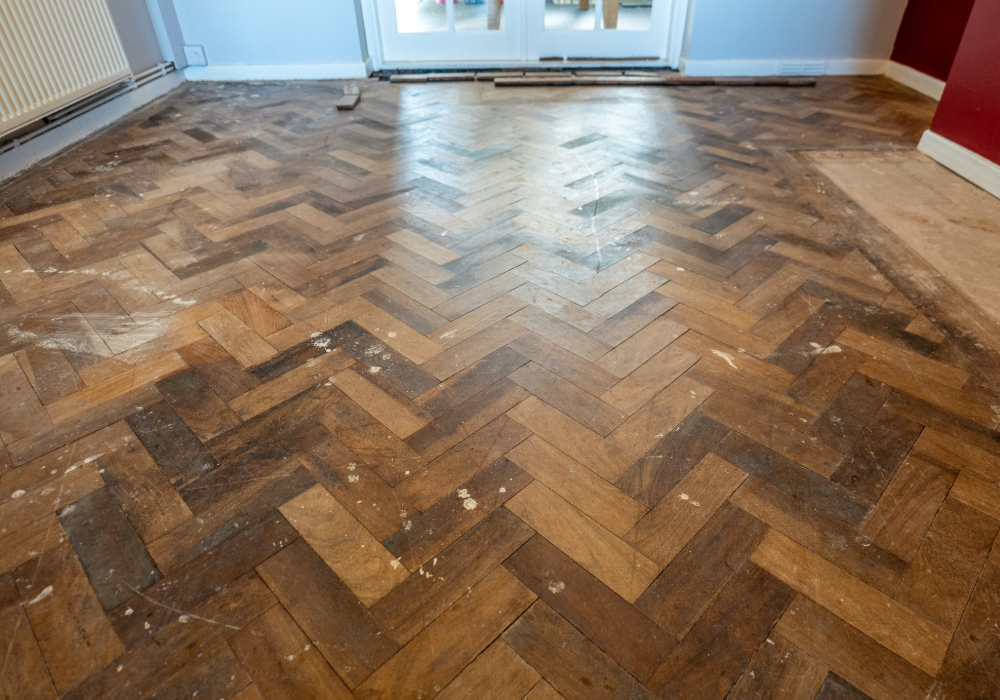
(238, 339)
(565, 658)
(496, 674)
(25, 674)
(333, 618)
(941, 578)
(851, 654)
(443, 649)
(578, 485)
(564, 433)
(712, 656)
(668, 527)
(679, 595)
(618, 565)
(632, 641)
(890, 623)
(367, 568)
(281, 661)
(782, 671)
(73, 634)
(398, 414)
(429, 592)
(108, 548)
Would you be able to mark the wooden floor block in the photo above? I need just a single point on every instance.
(615, 563)
(281, 660)
(344, 544)
(348, 102)
(892, 624)
(577, 484)
(456, 637)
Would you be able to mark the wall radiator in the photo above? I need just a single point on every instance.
(53, 53)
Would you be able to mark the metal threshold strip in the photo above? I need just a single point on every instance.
(608, 77)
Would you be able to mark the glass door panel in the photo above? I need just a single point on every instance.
(455, 32)
(477, 32)
(595, 29)
(420, 16)
(633, 15)
(479, 16)
(569, 15)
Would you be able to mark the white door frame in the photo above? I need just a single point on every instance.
(670, 55)
(680, 16)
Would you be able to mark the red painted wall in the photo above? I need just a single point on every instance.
(930, 33)
(969, 112)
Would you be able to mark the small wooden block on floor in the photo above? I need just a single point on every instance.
(348, 102)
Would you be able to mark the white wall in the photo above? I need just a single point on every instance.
(168, 30)
(273, 39)
(285, 39)
(751, 37)
(135, 29)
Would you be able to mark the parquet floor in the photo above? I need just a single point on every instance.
(482, 393)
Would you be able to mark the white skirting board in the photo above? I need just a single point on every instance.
(291, 71)
(959, 159)
(915, 80)
(62, 137)
(835, 66)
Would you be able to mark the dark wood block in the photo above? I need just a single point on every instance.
(115, 559)
(627, 636)
(713, 654)
(571, 663)
(347, 635)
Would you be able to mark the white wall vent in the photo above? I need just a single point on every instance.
(814, 68)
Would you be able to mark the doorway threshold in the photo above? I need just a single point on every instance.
(544, 64)
(581, 77)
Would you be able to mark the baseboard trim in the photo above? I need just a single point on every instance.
(292, 71)
(973, 167)
(915, 80)
(57, 140)
(837, 66)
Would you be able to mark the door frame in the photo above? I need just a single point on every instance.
(670, 55)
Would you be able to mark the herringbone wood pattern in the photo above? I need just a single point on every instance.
(520, 393)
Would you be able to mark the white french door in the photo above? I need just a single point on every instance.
(509, 32)
(429, 31)
(587, 30)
